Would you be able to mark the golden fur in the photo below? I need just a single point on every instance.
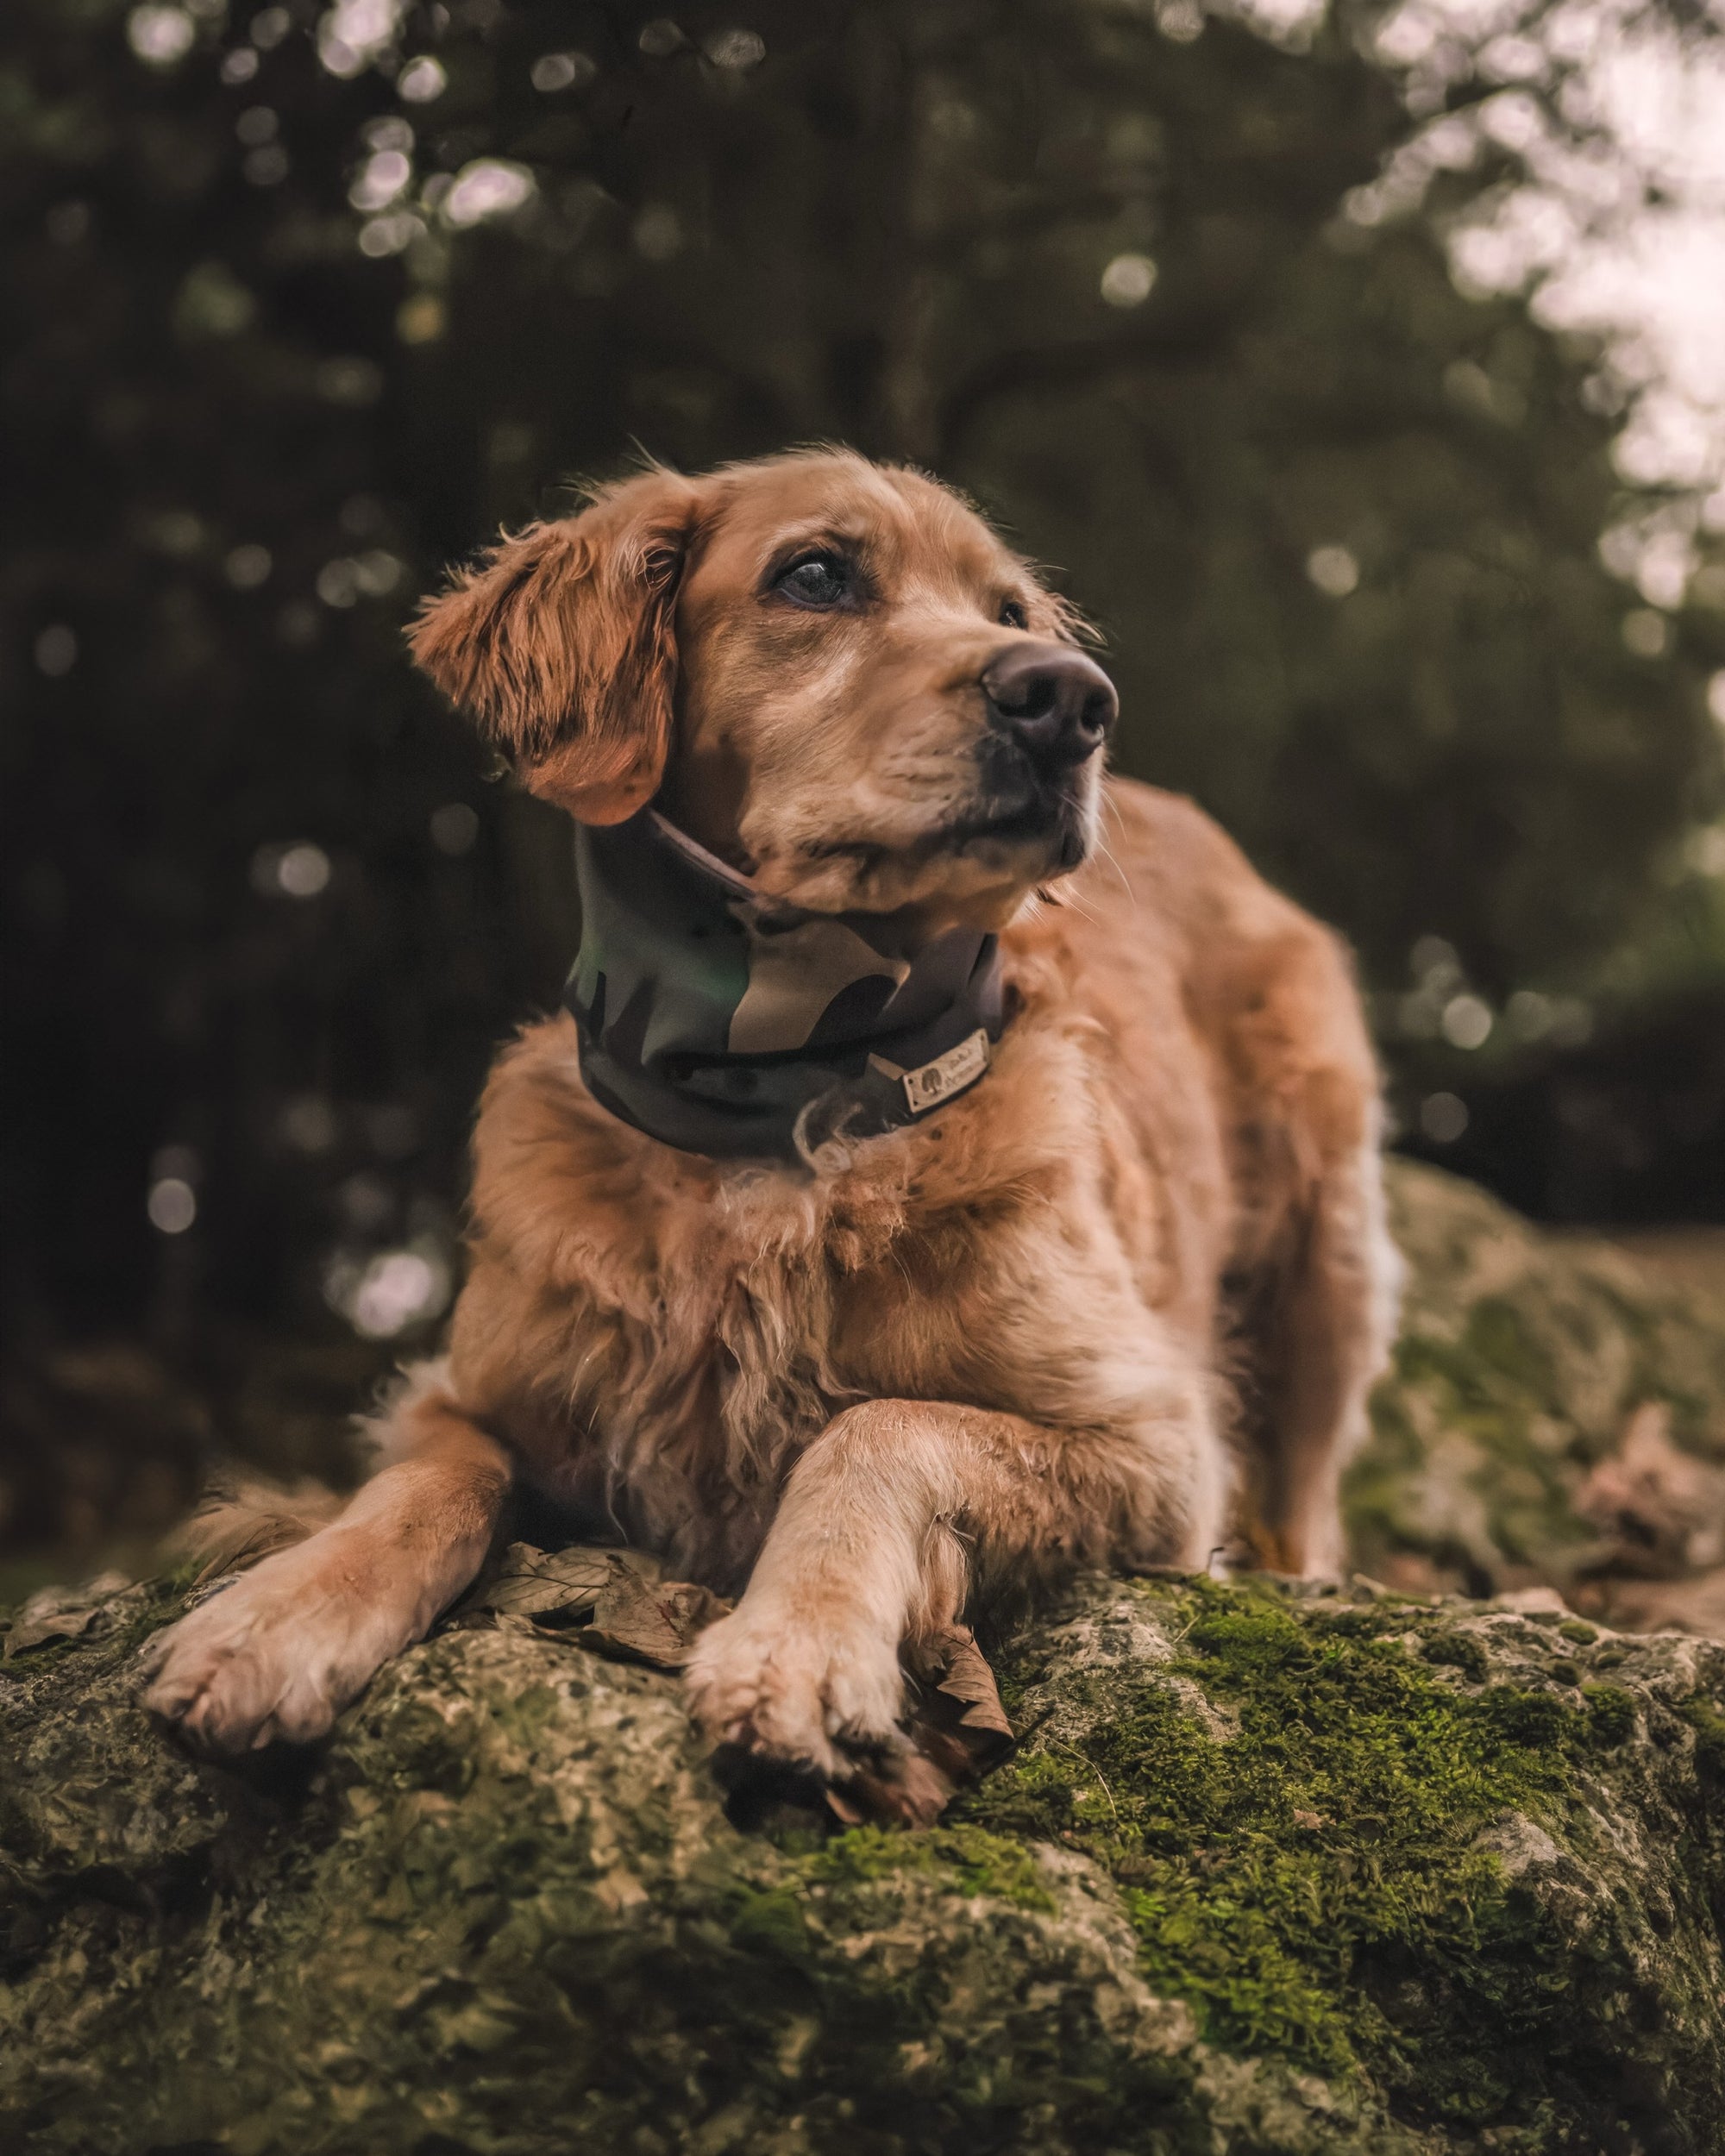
(1124, 1296)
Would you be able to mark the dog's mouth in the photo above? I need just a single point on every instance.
(1021, 803)
(1026, 830)
(1054, 819)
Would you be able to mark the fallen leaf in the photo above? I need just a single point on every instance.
(636, 1620)
(54, 1613)
(967, 1683)
(564, 1585)
(908, 1788)
(957, 1730)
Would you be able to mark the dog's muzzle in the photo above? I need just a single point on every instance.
(1049, 709)
(1054, 705)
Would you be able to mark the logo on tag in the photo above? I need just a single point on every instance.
(947, 1074)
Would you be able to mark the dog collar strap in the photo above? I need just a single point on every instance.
(722, 1022)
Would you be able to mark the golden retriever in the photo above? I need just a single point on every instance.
(1110, 1286)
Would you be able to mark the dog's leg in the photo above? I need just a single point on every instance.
(875, 1537)
(279, 1652)
(1328, 1334)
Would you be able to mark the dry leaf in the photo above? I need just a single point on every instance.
(57, 1612)
(957, 1731)
(626, 1609)
(564, 1584)
(907, 1789)
(967, 1684)
(636, 1620)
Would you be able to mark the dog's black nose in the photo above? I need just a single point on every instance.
(1053, 699)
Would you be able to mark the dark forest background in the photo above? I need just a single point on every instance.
(302, 304)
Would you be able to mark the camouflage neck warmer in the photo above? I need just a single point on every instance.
(722, 1022)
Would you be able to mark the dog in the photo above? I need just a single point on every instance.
(951, 1166)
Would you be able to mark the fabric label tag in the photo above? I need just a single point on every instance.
(947, 1074)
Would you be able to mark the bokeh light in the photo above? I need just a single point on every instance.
(173, 1205)
(488, 187)
(1128, 280)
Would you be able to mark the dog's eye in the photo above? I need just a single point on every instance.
(819, 579)
(1012, 616)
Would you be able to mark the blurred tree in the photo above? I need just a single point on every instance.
(304, 304)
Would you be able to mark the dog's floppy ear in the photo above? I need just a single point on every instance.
(562, 645)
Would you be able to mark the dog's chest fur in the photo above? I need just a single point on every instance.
(694, 1327)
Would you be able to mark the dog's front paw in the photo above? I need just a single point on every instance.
(812, 1696)
(274, 1655)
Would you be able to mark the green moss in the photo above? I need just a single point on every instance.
(770, 1918)
(1500, 1341)
(1610, 1713)
(1709, 1725)
(1573, 1628)
(1456, 1650)
(1539, 1722)
(1290, 1878)
(166, 1601)
(976, 1861)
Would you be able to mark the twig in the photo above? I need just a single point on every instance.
(1094, 1769)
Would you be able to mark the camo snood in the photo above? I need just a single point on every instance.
(723, 1022)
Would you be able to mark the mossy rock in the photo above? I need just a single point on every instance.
(1272, 1870)
(1522, 1357)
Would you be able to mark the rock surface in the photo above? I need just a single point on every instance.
(1555, 1414)
(1272, 1870)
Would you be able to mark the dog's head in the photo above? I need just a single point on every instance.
(833, 674)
